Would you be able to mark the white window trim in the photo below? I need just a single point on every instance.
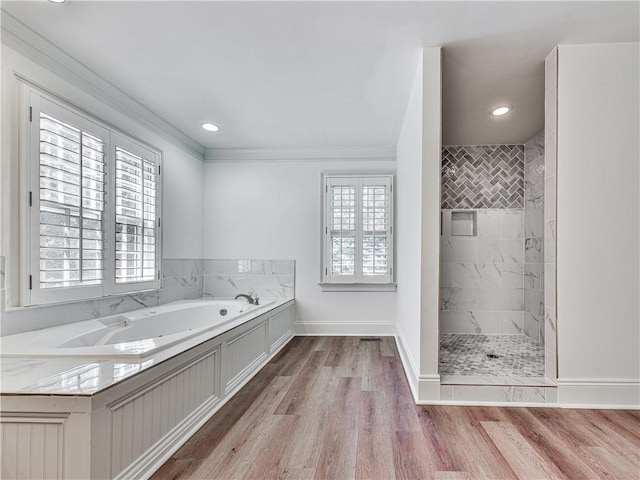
(354, 283)
(28, 237)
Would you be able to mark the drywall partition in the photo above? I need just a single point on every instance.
(408, 231)
(429, 381)
(598, 220)
(267, 204)
(418, 229)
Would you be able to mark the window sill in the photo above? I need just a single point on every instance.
(358, 287)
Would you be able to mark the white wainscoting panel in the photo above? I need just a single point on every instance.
(243, 353)
(279, 328)
(32, 447)
(141, 420)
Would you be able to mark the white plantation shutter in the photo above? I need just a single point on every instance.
(68, 203)
(376, 228)
(358, 229)
(93, 208)
(342, 198)
(136, 214)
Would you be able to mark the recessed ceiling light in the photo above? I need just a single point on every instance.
(57, 1)
(210, 127)
(501, 110)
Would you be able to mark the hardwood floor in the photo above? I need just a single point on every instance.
(339, 407)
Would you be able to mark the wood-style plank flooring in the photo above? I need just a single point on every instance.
(340, 408)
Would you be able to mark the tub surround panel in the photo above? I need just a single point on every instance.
(490, 176)
(142, 420)
(43, 439)
(45, 445)
(482, 276)
(245, 351)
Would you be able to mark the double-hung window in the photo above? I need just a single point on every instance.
(93, 215)
(358, 229)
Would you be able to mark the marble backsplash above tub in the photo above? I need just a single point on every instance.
(182, 279)
(35, 318)
(265, 278)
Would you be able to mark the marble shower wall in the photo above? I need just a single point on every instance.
(481, 276)
(265, 278)
(550, 158)
(534, 238)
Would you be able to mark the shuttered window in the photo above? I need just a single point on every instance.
(357, 229)
(87, 185)
(72, 199)
(136, 189)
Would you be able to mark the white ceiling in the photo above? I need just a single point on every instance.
(325, 74)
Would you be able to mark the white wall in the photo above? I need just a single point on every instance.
(418, 228)
(272, 209)
(598, 238)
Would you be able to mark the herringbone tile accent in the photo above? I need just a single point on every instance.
(483, 177)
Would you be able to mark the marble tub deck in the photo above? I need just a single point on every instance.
(464, 360)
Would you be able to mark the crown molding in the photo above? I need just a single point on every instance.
(299, 154)
(29, 43)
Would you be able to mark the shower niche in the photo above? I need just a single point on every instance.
(463, 223)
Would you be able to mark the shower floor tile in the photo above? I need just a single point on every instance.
(465, 354)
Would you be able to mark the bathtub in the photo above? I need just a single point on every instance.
(135, 334)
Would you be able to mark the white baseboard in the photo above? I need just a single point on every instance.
(428, 388)
(342, 328)
(611, 393)
(410, 369)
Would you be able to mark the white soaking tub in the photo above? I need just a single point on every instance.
(135, 334)
(123, 413)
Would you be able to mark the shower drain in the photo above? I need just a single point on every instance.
(493, 355)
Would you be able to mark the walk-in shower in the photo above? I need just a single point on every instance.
(491, 262)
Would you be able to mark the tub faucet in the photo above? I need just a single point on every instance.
(250, 299)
